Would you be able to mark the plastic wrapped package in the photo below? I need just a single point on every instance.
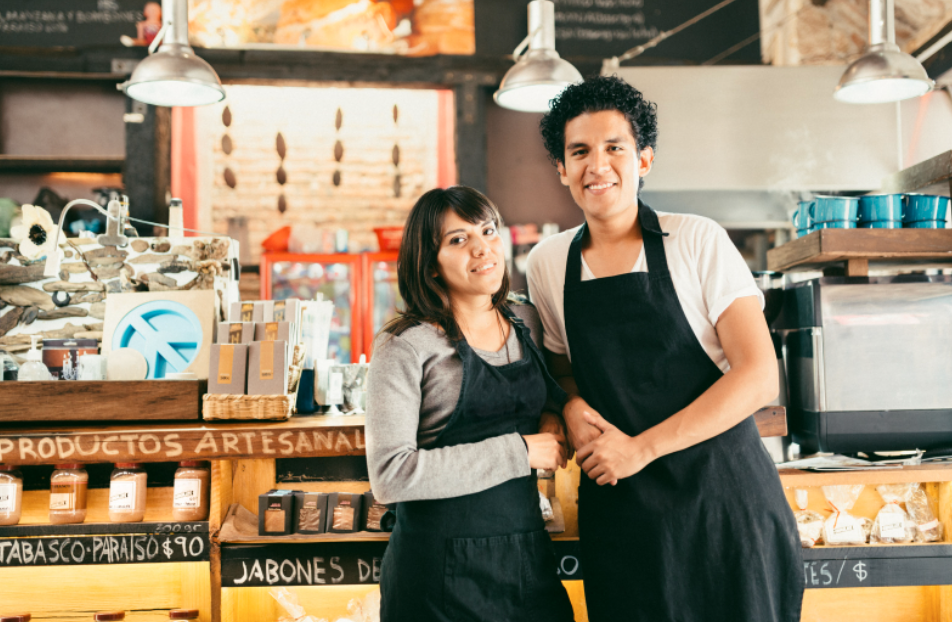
(546, 507)
(809, 523)
(290, 603)
(928, 526)
(893, 525)
(842, 528)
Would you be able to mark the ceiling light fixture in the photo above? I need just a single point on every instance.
(884, 73)
(540, 74)
(174, 75)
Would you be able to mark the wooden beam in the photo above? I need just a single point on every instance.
(61, 164)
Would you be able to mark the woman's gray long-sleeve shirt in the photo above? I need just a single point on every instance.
(413, 387)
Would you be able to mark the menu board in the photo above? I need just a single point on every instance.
(606, 28)
(68, 23)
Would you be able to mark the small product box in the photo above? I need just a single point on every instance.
(61, 356)
(373, 514)
(236, 332)
(287, 310)
(310, 512)
(344, 512)
(264, 311)
(228, 368)
(242, 312)
(273, 331)
(268, 368)
(276, 513)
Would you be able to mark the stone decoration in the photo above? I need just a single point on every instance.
(73, 304)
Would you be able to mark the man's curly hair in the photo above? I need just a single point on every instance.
(597, 94)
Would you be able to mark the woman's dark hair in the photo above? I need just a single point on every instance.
(425, 295)
(598, 94)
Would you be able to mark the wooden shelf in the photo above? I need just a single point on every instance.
(100, 529)
(793, 478)
(930, 176)
(107, 400)
(857, 247)
(299, 437)
(61, 164)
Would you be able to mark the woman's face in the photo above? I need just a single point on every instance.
(470, 259)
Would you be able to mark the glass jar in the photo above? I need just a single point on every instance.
(11, 495)
(127, 493)
(183, 614)
(190, 494)
(16, 617)
(109, 616)
(68, 494)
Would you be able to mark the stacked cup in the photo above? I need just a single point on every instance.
(924, 211)
(803, 218)
(880, 211)
(835, 212)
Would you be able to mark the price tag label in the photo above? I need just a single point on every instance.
(892, 525)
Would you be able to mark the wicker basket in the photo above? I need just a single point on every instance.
(247, 407)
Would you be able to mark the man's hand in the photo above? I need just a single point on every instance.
(545, 452)
(612, 456)
(551, 423)
(581, 432)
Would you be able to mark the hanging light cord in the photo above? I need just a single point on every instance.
(636, 51)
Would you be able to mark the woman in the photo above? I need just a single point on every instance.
(455, 432)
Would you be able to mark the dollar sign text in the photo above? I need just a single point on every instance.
(860, 570)
(167, 549)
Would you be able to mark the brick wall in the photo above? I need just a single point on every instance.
(366, 194)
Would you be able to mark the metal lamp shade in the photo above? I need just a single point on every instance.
(175, 76)
(536, 79)
(883, 74)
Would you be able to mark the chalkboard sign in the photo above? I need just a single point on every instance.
(99, 550)
(606, 28)
(68, 23)
(833, 567)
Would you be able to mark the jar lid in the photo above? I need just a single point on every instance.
(183, 614)
(69, 465)
(194, 463)
(107, 616)
(19, 617)
(128, 465)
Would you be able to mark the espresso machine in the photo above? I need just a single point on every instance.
(771, 284)
(869, 362)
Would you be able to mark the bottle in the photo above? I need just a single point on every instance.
(11, 495)
(68, 494)
(190, 492)
(127, 493)
(34, 369)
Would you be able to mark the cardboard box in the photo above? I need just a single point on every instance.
(310, 512)
(236, 332)
(344, 512)
(373, 515)
(276, 513)
(228, 369)
(273, 331)
(264, 311)
(268, 368)
(242, 312)
(287, 310)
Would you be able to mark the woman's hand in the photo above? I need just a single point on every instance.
(551, 423)
(581, 432)
(545, 451)
(614, 455)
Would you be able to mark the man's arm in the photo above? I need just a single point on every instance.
(751, 382)
(580, 432)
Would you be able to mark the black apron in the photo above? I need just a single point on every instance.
(701, 535)
(484, 556)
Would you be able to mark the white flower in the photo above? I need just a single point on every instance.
(36, 233)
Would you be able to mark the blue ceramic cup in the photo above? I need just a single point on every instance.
(830, 209)
(839, 224)
(879, 207)
(881, 224)
(924, 207)
(803, 217)
(926, 224)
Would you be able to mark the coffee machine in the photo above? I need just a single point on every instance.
(869, 362)
(771, 284)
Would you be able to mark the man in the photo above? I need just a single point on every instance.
(654, 326)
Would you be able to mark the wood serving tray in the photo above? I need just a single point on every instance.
(107, 400)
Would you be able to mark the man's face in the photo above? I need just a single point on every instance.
(603, 165)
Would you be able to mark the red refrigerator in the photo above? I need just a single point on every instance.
(363, 287)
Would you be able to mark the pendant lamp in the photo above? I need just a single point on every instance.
(540, 74)
(174, 75)
(884, 73)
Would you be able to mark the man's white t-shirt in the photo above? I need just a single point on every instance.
(707, 270)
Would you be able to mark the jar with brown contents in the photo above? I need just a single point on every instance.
(109, 616)
(68, 494)
(18, 617)
(183, 614)
(190, 494)
(127, 493)
(11, 495)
